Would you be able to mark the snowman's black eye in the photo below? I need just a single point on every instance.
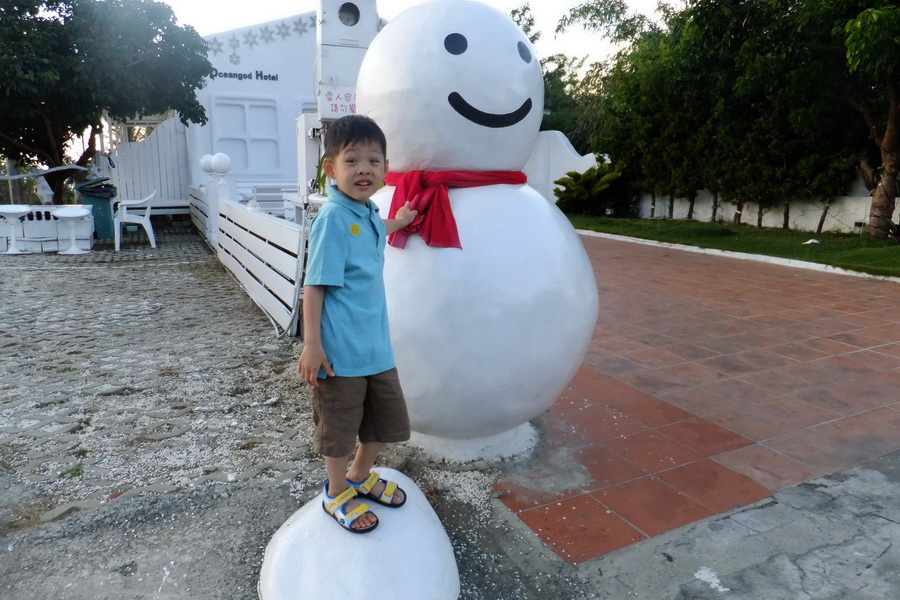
(524, 52)
(456, 43)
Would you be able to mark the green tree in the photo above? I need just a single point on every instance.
(561, 82)
(871, 34)
(801, 119)
(726, 96)
(564, 99)
(65, 63)
(649, 107)
(611, 18)
(525, 20)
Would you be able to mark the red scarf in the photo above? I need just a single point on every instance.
(427, 192)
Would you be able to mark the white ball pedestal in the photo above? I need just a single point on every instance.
(517, 444)
(408, 557)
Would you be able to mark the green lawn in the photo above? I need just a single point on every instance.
(846, 251)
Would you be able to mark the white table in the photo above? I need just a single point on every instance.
(71, 215)
(12, 213)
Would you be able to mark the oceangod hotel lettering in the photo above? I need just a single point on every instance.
(258, 75)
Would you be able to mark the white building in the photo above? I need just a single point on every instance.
(266, 78)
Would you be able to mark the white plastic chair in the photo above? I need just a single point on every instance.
(123, 215)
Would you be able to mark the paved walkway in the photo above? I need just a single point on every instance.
(710, 383)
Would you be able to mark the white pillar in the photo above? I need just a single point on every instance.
(219, 191)
(209, 193)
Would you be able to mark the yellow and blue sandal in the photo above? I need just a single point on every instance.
(387, 496)
(335, 508)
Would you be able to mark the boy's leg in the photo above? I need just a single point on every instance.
(362, 466)
(336, 469)
(364, 460)
(337, 412)
(386, 420)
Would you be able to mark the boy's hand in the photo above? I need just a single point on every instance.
(405, 215)
(311, 359)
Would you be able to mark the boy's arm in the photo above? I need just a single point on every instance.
(402, 218)
(313, 355)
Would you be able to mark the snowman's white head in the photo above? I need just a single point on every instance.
(454, 84)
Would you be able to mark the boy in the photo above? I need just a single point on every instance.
(347, 357)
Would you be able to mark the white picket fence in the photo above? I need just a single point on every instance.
(264, 253)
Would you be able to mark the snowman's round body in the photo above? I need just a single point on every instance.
(486, 336)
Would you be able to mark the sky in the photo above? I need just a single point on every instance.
(215, 16)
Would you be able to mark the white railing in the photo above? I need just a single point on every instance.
(264, 253)
(199, 210)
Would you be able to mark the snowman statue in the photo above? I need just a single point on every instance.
(491, 297)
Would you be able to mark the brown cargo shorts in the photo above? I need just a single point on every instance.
(371, 408)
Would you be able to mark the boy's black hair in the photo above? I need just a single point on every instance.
(351, 130)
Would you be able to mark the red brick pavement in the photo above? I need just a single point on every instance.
(710, 383)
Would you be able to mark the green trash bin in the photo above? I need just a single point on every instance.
(98, 195)
(103, 215)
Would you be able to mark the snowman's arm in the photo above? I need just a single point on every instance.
(551, 158)
(313, 355)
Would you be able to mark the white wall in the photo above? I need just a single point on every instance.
(265, 78)
(804, 216)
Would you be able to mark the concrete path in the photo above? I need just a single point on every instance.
(154, 435)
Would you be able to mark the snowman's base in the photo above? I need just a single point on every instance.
(477, 453)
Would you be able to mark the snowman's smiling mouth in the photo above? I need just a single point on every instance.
(486, 119)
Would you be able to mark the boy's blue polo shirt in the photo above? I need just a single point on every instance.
(346, 255)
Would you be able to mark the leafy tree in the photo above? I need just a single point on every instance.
(525, 20)
(564, 99)
(650, 106)
(611, 18)
(561, 83)
(65, 63)
(726, 96)
(803, 105)
(616, 117)
(871, 34)
(792, 71)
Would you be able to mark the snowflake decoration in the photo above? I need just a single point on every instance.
(312, 21)
(215, 46)
(235, 59)
(300, 26)
(234, 42)
(283, 29)
(251, 39)
(267, 35)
